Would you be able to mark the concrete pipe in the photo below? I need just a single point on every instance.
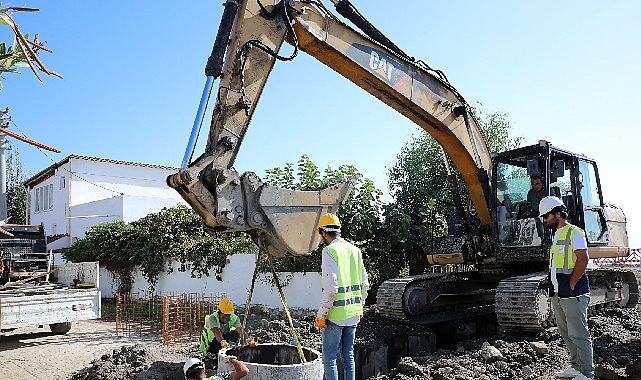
(272, 361)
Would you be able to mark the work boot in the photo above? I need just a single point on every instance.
(569, 372)
(581, 376)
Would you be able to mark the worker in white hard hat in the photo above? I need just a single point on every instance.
(345, 286)
(194, 369)
(221, 328)
(570, 288)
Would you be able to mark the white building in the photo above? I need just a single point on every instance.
(78, 192)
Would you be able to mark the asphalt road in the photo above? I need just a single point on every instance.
(37, 353)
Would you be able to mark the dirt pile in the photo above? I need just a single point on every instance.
(616, 334)
(617, 354)
(139, 361)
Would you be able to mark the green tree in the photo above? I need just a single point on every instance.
(360, 212)
(16, 193)
(147, 244)
(23, 52)
(423, 203)
(497, 130)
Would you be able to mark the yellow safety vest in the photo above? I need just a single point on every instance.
(207, 336)
(563, 252)
(349, 260)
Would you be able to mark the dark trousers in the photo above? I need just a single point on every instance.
(231, 338)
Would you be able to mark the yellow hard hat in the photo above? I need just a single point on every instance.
(329, 219)
(226, 306)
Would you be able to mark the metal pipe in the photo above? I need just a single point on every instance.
(199, 116)
(3, 178)
(214, 66)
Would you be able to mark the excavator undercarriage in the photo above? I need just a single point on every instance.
(521, 303)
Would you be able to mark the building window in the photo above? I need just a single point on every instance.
(63, 184)
(44, 198)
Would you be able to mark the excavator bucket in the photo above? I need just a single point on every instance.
(282, 221)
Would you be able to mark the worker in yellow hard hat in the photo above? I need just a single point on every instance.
(345, 286)
(221, 328)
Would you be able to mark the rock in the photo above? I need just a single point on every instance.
(408, 367)
(442, 374)
(490, 353)
(540, 348)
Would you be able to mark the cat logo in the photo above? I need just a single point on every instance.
(381, 66)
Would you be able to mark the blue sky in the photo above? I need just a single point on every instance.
(567, 72)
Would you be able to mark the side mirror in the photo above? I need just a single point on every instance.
(533, 168)
(558, 168)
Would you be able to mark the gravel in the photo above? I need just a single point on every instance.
(616, 334)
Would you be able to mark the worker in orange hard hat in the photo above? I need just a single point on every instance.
(222, 327)
(345, 286)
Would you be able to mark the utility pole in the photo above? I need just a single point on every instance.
(5, 121)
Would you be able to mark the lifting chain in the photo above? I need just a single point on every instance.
(289, 316)
(299, 347)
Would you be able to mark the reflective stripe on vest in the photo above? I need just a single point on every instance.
(563, 251)
(348, 302)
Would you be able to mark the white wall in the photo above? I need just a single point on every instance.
(124, 192)
(95, 180)
(54, 219)
(82, 215)
(301, 291)
(136, 207)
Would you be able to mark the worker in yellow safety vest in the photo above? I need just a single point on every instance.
(569, 287)
(221, 328)
(345, 286)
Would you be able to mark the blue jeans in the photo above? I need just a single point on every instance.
(572, 319)
(337, 338)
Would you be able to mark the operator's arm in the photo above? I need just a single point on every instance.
(329, 270)
(581, 262)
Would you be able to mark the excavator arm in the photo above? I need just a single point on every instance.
(250, 37)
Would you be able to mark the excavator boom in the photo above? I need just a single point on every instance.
(283, 221)
(252, 34)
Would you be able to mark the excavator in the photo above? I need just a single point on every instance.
(502, 238)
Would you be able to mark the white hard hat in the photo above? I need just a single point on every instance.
(548, 203)
(192, 362)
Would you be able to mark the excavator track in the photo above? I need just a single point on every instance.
(522, 302)
(433, 298)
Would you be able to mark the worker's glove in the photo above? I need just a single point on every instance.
(224, 344)
(320, 323)
(251, 343)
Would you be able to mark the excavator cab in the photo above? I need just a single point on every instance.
(524, 176)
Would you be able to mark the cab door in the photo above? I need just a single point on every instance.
(591, 203)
